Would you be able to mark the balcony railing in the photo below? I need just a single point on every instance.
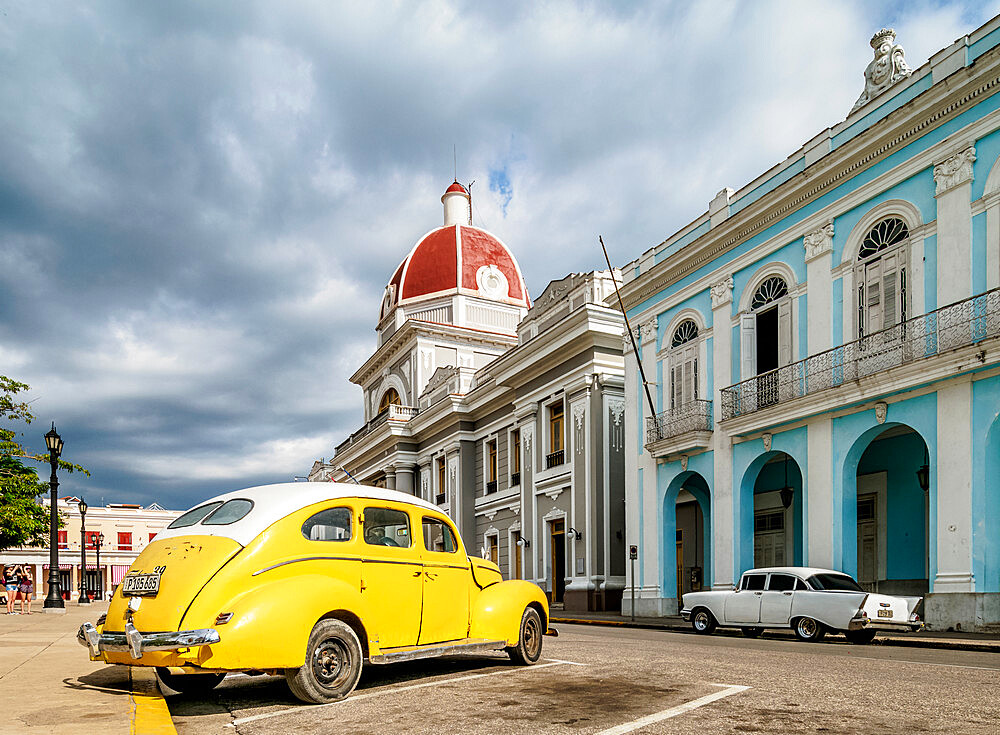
(956, 325)
(393, 413)
(440, 499)
(692, 416)
(555, 459)
(515, 479)
(491, 487)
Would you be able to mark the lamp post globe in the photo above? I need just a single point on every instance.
(53, 600)
(84, 599)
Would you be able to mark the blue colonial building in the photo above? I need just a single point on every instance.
(823, 352)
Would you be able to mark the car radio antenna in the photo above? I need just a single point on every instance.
(350, 475)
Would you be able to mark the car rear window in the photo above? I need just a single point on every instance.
(332, 524)
(781, 582)
(386, 527)
(194, 515)
(834, 583)
(230, 512)
(753, 581)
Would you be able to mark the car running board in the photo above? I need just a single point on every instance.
(463, 645)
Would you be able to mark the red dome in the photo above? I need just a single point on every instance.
(460, 258)
(456, 187)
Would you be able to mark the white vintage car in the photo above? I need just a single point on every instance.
(809, 601)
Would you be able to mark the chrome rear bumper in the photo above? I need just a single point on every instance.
(861, 623)
(136, 643)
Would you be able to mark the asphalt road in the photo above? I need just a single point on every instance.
(593, 680)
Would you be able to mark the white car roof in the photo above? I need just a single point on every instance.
(273, 502)
(798, 571)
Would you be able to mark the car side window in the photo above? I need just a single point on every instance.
(781, 582)
(386, 527)
(800, 585)
(754, 581)
(332, 524)
(437, 536)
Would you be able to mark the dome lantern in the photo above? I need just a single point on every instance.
(457, 205)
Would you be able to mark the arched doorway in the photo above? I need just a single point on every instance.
(887, 517)
(771, 525)
(686, 543)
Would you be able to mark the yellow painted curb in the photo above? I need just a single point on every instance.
(148, 708)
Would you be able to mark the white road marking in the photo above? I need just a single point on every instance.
(680, 709)
(382, 692)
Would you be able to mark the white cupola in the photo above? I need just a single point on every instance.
(457, 205)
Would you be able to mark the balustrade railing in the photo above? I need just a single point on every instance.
(491, 487)
(515, 479)
(956, 325)
(555, 459)
(692, 416)
(392, 413)
(440, 499)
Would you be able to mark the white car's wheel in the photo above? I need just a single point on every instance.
(809, 630)
(703, 621)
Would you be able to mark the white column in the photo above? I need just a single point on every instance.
(649, 552)
(633, 424)
(954, 489)
(819, 249)
(723, 531)
(954, 226)
(819, 494)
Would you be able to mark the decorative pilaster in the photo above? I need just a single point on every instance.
(818, 242)
(722, 292)
(954, 171)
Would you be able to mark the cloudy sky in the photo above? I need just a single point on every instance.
(200, 203)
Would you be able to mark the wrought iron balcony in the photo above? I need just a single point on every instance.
(440, 499)
(960, 324)
(692, 416)
(515, 479)
(555, 459)
(491, 487)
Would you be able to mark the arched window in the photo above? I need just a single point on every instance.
(768, 292)
(686, 331)
(684, 364)
(880, 276)
(390, 397)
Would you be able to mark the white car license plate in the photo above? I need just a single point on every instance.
(885, 613)
(139, 585)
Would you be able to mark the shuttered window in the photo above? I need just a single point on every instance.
(881, 277)
(683, 358)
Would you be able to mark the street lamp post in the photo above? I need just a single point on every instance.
(100, 575)
(84, 599)
(53, 600)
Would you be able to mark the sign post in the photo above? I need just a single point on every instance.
(633, 554)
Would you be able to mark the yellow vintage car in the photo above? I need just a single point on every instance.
(310, 580)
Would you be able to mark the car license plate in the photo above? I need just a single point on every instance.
(140, 585)
(885, 613)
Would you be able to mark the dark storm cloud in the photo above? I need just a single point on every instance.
(200, 203)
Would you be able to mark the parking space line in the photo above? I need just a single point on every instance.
(411, 687)
(680, 709)
(149, 715)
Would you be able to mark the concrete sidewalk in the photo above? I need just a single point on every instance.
(48, 684)
(957, 641)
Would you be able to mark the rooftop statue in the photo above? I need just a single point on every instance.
(887, 68)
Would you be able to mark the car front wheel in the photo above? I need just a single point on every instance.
(703, 621)
(860, 637)
(189, 683)
(529, 643)
(332, 667)
(809, 630)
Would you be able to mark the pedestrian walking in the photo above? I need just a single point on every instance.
(25, 589)
(10, 583)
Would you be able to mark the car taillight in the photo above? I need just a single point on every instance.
(914, 618)
(223, 618)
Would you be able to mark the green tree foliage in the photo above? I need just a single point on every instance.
(23, 521)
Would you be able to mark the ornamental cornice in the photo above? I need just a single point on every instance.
(954, 171)
(849, 159)
(818, 242)
(722, 292)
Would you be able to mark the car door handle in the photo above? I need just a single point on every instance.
(418, 573)
(758, 594)
(787, 593)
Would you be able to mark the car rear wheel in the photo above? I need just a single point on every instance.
(189, 683)
(529, 643)
(809, 630)
(332, 667)
(860, 637)
(703, 621)
(752, 632)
